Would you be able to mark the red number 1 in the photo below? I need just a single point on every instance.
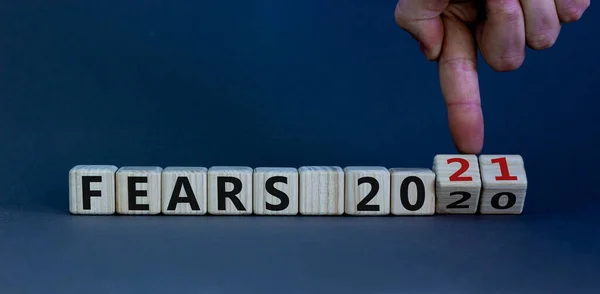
(464, 166)
(504, 173)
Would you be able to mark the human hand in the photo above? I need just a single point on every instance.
(451, 31)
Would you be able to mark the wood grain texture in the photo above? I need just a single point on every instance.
(461, 194)
(99, 181)
(321, 190)
(417, 187)
(184, 190)
(502, 193)
(284, 180)
(143, 181)
(232, 203)
(367, 190)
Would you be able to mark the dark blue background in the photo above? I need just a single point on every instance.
(280, 83)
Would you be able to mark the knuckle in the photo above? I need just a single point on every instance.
(460, 64)
(505, 10)
(399, 17)
(508, 16)
(584, 4)
(435, 5)
(464, 105)
(541, 40)
(507, 63)
(398, 21)
(573, 11)
(571, 15)
(407, 11)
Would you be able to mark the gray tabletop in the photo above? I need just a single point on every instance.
(45, 251)
(280, 83)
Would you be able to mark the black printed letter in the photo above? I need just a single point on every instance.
(87, 193)
(222, 194)
(191, 198)
(285, 200)
(133, 193)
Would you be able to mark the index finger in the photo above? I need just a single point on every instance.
(460, 86)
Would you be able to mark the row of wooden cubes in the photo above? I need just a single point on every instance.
(457, 184)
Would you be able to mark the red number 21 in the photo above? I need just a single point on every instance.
(504, 173)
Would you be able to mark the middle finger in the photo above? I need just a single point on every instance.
(501, 37)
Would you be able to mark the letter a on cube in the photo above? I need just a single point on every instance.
(184, 190)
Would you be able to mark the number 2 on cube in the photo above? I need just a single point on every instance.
(464, 166)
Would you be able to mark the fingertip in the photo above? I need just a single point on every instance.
(469, 149)
(466, 127)
(505, 63)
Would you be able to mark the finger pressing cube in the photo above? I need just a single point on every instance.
(458, 184)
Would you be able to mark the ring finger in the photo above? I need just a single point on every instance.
(542, 25)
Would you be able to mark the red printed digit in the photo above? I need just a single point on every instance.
(504, 173)
(464, 166)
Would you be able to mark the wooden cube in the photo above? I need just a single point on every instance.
(230, 190)
(321, 190)
(458, 184)
(367, 190)
(184, 190)
(504, 184)
(92, 189)
(275, 191)
(139, 190)
(413, 191)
